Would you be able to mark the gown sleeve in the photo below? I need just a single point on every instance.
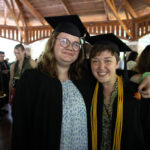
(21, 111)
(130, 73)
(146, 121)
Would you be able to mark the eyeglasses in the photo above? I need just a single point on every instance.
(65, 43)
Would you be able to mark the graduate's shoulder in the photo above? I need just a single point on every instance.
(34, 74)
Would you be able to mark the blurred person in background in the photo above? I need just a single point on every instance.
(21, 64)
(131, 62)
(4, 80)
(143, 63)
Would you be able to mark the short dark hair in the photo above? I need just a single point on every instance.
(1, 52)
(99, 48)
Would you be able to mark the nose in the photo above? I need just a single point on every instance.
(70, 47)
(101, 65)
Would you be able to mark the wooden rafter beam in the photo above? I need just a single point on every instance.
(118, 17)
(34, 12)
(24, 22)
(127, 15)
(106, 10)
(125, 9)
(66, 6)
(21, 12)
(130, 9)
(147, 1)
(12, 5)
(120, 7)
(15, 18)
(5, 14)
(112, 1)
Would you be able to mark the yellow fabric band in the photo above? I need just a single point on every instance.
(119, 118)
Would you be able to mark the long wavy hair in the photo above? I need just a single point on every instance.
(47, 61)
(143, 64)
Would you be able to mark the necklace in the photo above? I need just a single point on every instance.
(107, 112)
(108, 107)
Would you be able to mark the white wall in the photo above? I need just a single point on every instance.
(8, 47)
(37, 47)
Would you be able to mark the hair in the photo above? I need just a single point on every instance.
(143, 64)
(99, 48)
(1, 52)
(132, 56)
(19, 46)
(47, 61)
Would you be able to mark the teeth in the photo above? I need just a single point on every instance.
(102, 73)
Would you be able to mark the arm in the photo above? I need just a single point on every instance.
(144, 87)
(145, 120)
(11, 80)
(21, 114)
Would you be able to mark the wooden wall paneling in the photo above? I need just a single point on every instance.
(122, 32)
(98, 29)
(48, 33)
(33, 35)
(112, 28)
(103, 29)
(148, 26)
(89, 30)
(137, 27)
(29, 35)
(4, 32)
(94, 29)
(36, 34)
(16, 32)
(8, 33)
(142, 29)
(12, 34)
(139, 30)
(117, 30)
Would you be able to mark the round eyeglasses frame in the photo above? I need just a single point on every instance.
(64, 42)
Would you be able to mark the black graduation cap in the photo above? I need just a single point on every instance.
(70, 24)
(109, 38)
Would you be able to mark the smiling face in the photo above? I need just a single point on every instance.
(104, 65)
(66, 56)
(19, 53)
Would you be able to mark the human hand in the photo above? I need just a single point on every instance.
(144, 87)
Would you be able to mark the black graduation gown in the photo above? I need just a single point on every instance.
(4, 82)
(136, 120)
(37, 111)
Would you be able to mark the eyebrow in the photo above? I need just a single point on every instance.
(107, 57)
(104, 57)
(69, 40)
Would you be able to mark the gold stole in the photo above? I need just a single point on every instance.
(119, 118)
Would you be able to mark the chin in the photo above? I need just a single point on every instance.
(102, 80)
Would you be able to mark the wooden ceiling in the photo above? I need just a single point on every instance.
(31, 13)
